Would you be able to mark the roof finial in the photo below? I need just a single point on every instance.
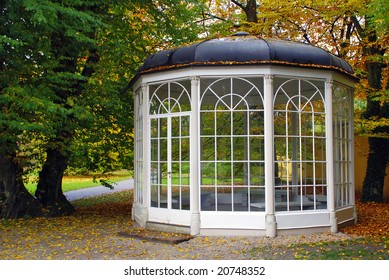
(241, 33)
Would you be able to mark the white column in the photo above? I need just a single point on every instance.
(330, 157)
(351, 154)
(146, 154)
(136, 153)
(271, 224)
(195, 157)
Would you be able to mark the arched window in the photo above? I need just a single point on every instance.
(342, 133)
(169, 110)
(171, 97)
(300, 145)
(231, 144)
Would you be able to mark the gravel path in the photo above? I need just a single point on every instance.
(226, 248)
(100, 190)
(199, 248)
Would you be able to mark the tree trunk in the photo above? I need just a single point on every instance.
(251, 11)
(373, 185)
(49, 189)
(15, 200)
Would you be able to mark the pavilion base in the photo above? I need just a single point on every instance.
(246, 224)
(240, 232)
(234, 232)
(168, 227)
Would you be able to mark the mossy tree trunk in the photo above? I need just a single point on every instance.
(15, 200)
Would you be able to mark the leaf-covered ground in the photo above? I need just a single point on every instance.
(93, 232)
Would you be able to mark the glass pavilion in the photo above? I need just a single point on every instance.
(244, 136)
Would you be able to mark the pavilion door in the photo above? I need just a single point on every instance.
(170, 168)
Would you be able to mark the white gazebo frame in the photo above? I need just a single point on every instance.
(315, 212)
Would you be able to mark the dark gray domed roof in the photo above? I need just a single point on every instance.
(243, 49)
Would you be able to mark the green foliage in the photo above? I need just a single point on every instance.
(379, 11)
(64, 73)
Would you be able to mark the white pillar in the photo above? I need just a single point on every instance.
(271, 223)
(330, 157)
(351, 154)
(195, 157)
(146, 154)
(136, 153)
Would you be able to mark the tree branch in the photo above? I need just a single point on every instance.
(358, 26)
(240, 5)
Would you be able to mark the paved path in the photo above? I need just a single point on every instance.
(100, 190)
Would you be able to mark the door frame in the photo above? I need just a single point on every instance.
(170, 215)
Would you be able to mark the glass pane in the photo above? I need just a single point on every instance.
(154, 196)
(208, 173)
(280, 148)
(257, 174)
(174, 106)
(307, 148)
(320, 128)
(239, 123)
(207, 147)
(185, 198)
(154, 106)
(320, 148)
(240, 173)
(257, 199)
(257, 148)
(164, 107)
(256, 123)
(163, 169)
(207, 123)
(240, 148)
(185, 149)
(175, 127)
(185, 174)
(307, 126)
(163, 149)
(307, 171)
(185, 126)
(240, 199)
(154, 128)
(163, 127)
(224, 148)
(154, 174)
(154, 150)
(293, 123)
(321, 173)
(163, 197)
(224, 173)
(279, 123)
(293, 152)
(176, 149)
(208, 199)
(175, 174)
(238, 103)
(176, 197)
(224, 199)
(223, 123)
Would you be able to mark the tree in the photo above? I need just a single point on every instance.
(22, 99)
(65, 68)
(377, 109)
(105, 145)
(354, 30)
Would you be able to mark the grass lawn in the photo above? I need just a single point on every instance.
(76, 182)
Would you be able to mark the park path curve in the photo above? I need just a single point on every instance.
(99, 190)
